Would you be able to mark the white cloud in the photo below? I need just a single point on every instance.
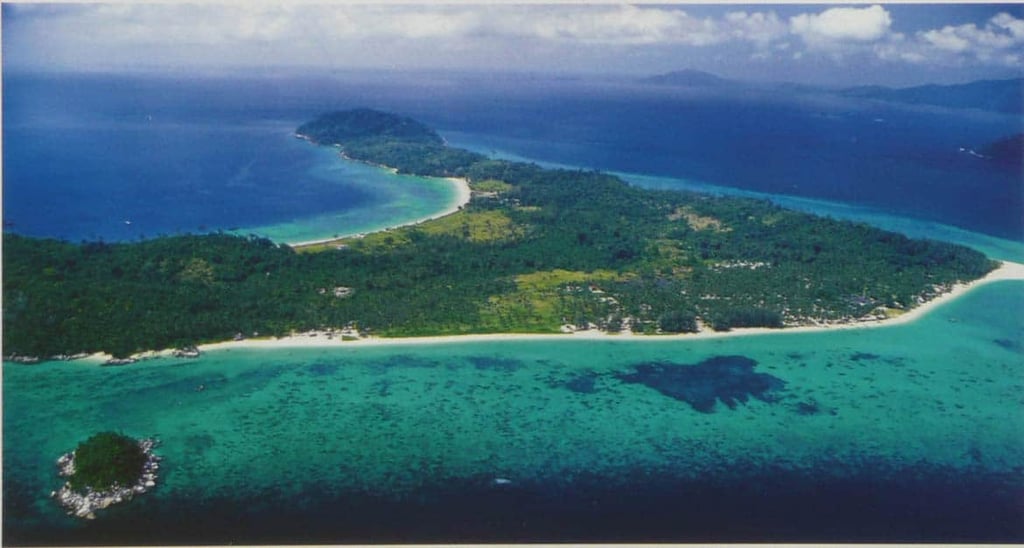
(759, 27)
(999, 41)
(635, 25)
(842, 25)
(428, 25)
(946, 39)
(589, 24)
(604, 25)
(424, 34)
(1010, 23)
(861, 33)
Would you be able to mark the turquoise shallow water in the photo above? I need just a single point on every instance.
(396, 200)
(943, 393)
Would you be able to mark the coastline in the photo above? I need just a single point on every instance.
(1006, 271)
(462, 197)
(322, 339)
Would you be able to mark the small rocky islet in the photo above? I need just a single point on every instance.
(81, 498)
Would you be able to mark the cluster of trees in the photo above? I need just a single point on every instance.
(667, 259)
(677, 321)
(107, 459)
(363, 123)
(429, 159)
(390, 140)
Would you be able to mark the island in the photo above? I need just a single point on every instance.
(108, 468)
(535, 251)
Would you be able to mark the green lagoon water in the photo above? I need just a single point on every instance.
(249, 432)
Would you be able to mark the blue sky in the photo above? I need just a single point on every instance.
(894, 44)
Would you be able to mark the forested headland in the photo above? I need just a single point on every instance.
(535, 251)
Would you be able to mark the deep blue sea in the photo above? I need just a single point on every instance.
(88, 158)
(910, 433)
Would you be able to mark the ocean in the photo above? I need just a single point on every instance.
(904, 433)
(106, 159)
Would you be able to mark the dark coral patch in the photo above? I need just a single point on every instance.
(197, 444)
(585, 383)
(384, 366)
(730, 379)
(488, 363)
(858, 356)
(323, 369)
(809, 407)
(1008, 344)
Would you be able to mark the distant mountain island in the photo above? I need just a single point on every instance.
(690, 77)
(993, 95)
(1006, 96)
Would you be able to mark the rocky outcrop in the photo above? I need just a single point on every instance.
(22, 359)
(17, 358)
(187, 352)
(120, 361)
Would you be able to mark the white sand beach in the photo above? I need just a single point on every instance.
(339, 338)
(1006, 271)
(462, 197)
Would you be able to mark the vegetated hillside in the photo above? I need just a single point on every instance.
(387, 139)
(364, 123)
(534, 250)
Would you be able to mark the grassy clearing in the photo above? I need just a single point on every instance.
(543, 301)
(672, 258)
(321, 247)
(553, 279)
(478, 226)
(491, 185)
(697, 221)
(772, 219)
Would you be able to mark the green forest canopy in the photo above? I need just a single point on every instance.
(107, 459)
(535, 249)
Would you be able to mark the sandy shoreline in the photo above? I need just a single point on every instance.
(1006, 271)
(462, 197)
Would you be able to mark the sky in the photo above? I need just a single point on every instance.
(831, 44)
